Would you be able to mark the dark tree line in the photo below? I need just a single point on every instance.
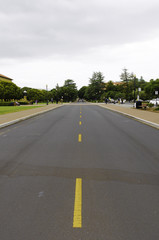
(127, 89)
(68, 92)
(97, 90)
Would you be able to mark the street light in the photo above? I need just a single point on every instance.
(134, 87)
(25, 95)
(156, 93)
(47, 94)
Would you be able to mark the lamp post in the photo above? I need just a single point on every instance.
(134, 87)
(25, 95)
(156, 93)
(139, 90)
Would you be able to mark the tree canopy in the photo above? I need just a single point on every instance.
(97, 90)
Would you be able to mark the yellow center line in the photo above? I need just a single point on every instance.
(80, 123)
(80, 116)
(79, 137)
(77, 217)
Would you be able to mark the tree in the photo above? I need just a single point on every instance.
(81, 92)
(110, 86)
(53, 94)
(151, 87)
(9, 91)
(69, 91)
(126, 77)
(96, 86)
(34, 94)
(70, 83)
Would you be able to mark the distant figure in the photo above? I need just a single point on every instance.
(52, 100)
(106, 100)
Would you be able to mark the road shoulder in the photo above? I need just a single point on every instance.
(12, 118)
(149, 118)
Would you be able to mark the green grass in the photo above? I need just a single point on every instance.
(156, 109)
(12, 109)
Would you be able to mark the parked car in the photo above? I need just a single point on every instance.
(14, 104)
(154, 101)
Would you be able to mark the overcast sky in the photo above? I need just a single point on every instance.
(48, 41)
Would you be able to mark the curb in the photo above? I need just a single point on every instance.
(151, 124)
(26, 117)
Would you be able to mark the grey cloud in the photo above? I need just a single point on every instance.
(42, 28)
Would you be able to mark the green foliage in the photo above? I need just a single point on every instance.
(110, 86)
(119, 95)
(125, 76)
(156, 109)
(9, 91)
(82, 92)
(97, 90)
(5, 103)
(96, 87)
(143, 95)
(68, 92)
(150, 105)
(24, 103)
(37, 95)
(151, 87)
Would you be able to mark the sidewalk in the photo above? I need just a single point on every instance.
(147, 117)
(11, 118)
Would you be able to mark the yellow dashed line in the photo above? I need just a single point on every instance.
(77, 218)
(79, 137)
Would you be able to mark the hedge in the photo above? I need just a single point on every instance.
(5, 103)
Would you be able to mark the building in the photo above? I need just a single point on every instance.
(5, 79)
(118, 83)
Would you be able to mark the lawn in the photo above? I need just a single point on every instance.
(11, 109)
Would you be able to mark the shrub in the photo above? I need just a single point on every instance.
(156, 109)
(23, 103)
(5, 103)
(150, 105)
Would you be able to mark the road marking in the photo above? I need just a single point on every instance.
(80, 123)
(80, 116)
(77, 217)
(80, 112)
(79, 137)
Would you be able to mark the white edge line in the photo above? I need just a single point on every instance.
(131, 116)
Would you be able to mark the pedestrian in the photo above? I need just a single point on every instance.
(106, 100)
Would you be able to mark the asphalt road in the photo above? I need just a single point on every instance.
(79, 172)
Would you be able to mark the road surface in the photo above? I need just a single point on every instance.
(79, 172)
